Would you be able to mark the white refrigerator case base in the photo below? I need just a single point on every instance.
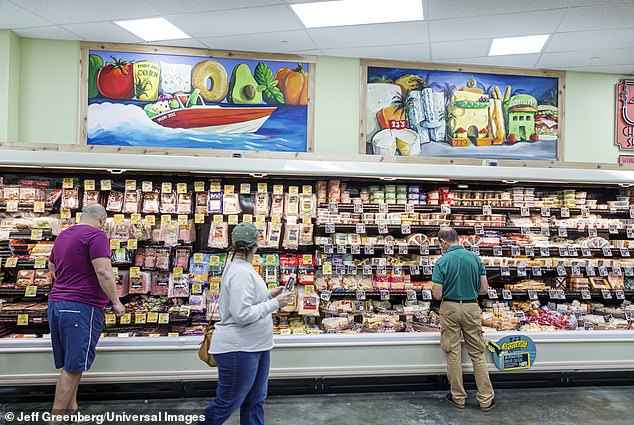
(30, 362)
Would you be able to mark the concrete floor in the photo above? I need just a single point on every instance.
(579, 406)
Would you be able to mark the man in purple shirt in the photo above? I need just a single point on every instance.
(84, 283)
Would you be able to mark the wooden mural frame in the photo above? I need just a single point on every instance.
(85, 47)
(366, 63)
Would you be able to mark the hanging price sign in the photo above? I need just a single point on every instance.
(497, 251)
(628, 271)
(181, 188)
(521, 271)
(12, 206)
(403, 249)
(585, 294)
(545, 212)
(424, 250)
(536, 270)
(493, 294)
(388, 249)
(532, 294)
(360, 228)
(525, 211)
(351, 270)
(507, 295)
(590, 271)
(475, 249)
(515, 251)
(355, 249)
(406, 228)
(505, 271)
(562, 232)
(565, 212)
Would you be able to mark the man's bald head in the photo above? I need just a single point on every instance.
(95, 215)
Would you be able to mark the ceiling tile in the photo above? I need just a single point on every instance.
(171, 7)
(460, 49)
(587, 40)
(514, 61)
(82, 11)
(269, 42)
(185, 42)
(239, 21)
(561, 60)
(610, 69)
(532, 23)
(106, 32)
(12, 16)
(405, 52)
(370, 35)
(598, 17)
(53, 32)
(443, 9)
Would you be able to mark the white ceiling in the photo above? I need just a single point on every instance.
(586, 35)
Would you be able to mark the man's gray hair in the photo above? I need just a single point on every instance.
(448, 234)
(94, 212)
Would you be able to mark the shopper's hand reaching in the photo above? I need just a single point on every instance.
(284, 298)
(276, 291)
(118, 309)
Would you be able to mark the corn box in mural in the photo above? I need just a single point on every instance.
(412, 112)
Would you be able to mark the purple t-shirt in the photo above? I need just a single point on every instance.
(75, 277)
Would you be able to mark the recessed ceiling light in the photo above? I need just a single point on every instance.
(357, 12)
(153, 29)
(518, 45)
(284, 41)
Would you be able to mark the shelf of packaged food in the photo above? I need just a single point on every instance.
(22, 264)
(22, 291)
(30, 208)
(478, 210)
(568, 294)
(26, 236)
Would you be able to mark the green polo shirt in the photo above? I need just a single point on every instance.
(459, 271)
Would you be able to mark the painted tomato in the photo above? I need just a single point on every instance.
(116, 80)
(534, 137)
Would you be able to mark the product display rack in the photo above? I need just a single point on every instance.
(175, 342)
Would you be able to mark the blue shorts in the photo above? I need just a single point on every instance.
(75, 330)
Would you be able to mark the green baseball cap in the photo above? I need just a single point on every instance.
(245, 232)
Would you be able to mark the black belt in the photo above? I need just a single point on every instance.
(461, 301)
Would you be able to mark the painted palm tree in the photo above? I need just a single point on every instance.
(446, 89)
(485, 89)
(518, 91)
(551, 99)
(381, 79)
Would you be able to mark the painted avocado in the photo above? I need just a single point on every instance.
(243, 89)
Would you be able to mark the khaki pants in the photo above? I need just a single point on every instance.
(465, 317)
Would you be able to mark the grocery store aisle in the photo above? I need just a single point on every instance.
(580, 406)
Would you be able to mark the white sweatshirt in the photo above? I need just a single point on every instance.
(245, 308)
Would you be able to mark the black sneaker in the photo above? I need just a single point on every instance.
(490, 407)
(451, 401)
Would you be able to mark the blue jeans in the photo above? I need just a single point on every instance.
(242, 383)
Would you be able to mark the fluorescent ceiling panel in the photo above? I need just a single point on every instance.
(518, 45)
(153, 29)
(357, 12)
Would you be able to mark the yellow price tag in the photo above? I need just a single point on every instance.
(214, 187)
(199, 186)
(229, 189)
(118, 219)
(89, 185)
(115, 244)
(135, 218)
(68, 183)
(173, 334)
(164, 318)
(199, 218)
(39, 207)
(115, 271)
(260, 219)
(293, 190)
(183, 220)
(30, 291)
(307, 189)
(276, 220)
(41, 262)
(147, 186)
(285, 331)
(247, 218)
(133, 244)
(23, 319)
(166, 218)
(150, 220)
(307, 259)
(327, 269)
(262, 188)
(126, 319)
(197, 288)
(245, 188)
(111, 319)
(310, 289)
(78, 218)
(218, 218)
(214, 261)
(178, 272)
(36, 234)
(12, 206)
(272, 286)
(166, 187)
(154, 335)
(106, 185)
(278, 189)
(214, 288)
(140, 318)
(199, 258)
(307, 220)
(271, 260)
(11, 262)
(181, 188)
(130, 185)
(233, 219)
(135, 272)
(152, 317)
(64, 213)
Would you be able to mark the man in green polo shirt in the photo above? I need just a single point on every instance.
(459, 277)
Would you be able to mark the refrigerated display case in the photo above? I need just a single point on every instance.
(361, 236)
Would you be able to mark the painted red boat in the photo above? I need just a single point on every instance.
(216, 118)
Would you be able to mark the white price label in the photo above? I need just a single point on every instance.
(507, 295)
(607, 251)
(385, 295)
(411, 295)
(341, 249)
(586, 252)
(576, 271)
(628, 271)
(361, 295)
(572, 251)
(521, 271)
(562, 232)
(619, 294)
(545, 231)
(479, 230)
(529, 251)
(617, 271)
(424, 250)
(325, 295)
(328, 248)
(427, 270)
(590, 272)
(333, 207)
(497, 251)
(367, 269)
(330, 228)
(383, 229)
(603, 271)
(607, 295)
(493, 294)
(544, 251)
(358, 208)
(397, 270)
(388, 249)
(360, 228)
(414, 270)
(592, 232)
(368, 249)
(525, 211)
(585, 294)
(537, 270)
(625, 252)
(561, 271)
(613, 229)
(563, 251)
(505, 271)
(525, 231)
(486, 210)
(515, 251)
(445, 209)
(630, 233)
(426, 294)
(565, 212)
(406, 228)
(585, 212)
(381, 270)
(475, 249)
(409, 208)
(403, 249)
(532, 294)
(355, 249)
(351, 270)
(383, 208)
(545, 212)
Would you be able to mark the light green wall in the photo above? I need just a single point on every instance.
(337, 105)
(589, 121)
(9, 85)
(49, 91)
(49, 101)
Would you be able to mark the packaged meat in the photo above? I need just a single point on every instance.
(218, 236)
(273, 235)
(131, 202)
(70, 199)
(151, 203)
(115, 201)
(168, 203)
(178, 287)
(231, 204)
(160, 283)
(141, 284)
(214, 202)
(261, 206)
(277, 205)
(184, 203)
(91, 197)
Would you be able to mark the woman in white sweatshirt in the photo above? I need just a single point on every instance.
(243, 338)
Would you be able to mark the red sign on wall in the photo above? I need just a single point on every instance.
(625, 114)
